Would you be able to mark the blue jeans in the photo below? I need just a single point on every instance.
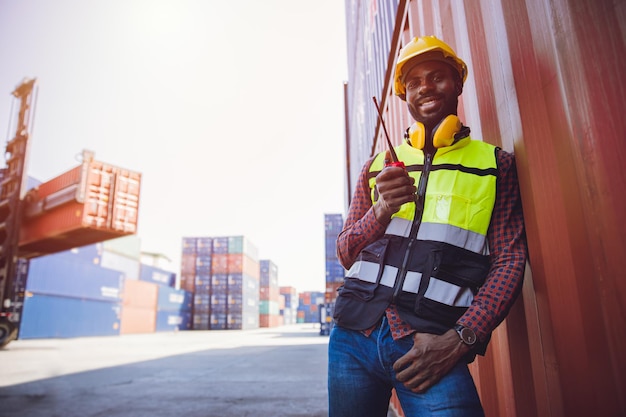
(361, 377)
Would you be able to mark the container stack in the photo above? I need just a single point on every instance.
(335, 273)
(174, 309)
(100, 289)
(270, 299)
(308, 308)
(69, 294)
(224, 279)
(289, 308)
(195, 277)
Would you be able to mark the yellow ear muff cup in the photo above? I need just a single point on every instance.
(416, 135)
(444, 133)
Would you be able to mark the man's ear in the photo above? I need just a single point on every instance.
(459, 88)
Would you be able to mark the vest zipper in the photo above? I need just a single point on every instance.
(415, 225)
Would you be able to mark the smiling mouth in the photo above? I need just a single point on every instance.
(429, 102)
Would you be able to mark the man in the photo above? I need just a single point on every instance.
(435, 250)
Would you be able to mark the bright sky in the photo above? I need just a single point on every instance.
(232, 111)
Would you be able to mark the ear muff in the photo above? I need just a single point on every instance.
(444, 134)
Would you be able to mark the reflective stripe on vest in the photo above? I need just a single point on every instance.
(438, 290)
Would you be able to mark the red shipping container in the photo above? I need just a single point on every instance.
(238, 262)
(89, 203)
(219, 263)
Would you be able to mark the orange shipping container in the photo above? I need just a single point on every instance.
(140, 294)
(270, 320)
(89, 203)
(137, 320)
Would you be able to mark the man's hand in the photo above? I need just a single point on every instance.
(429, 360)
(395, 187)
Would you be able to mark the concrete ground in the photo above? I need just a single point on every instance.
(262, 372)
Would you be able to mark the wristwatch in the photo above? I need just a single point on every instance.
(466, 334)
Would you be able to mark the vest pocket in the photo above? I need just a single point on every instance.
(439, 312)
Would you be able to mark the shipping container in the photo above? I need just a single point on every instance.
(204, 245)
(53, 316)
(242, 245)
(88, 253)
(140, 294)
(89, 203)
(333, 223)
(202, 320)
(545, 82)
(271, 320)
(171, 299)
(188, 282)
(64, 275)
(137, 320)
(291, 296)
(129, 267)
(189, 245)
(220, 245)
(156, 275)
(167, 321)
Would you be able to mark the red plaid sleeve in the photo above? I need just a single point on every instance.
(508, 253)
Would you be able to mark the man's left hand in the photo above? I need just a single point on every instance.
(429, 360)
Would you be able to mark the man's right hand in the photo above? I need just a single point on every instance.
(395, 187)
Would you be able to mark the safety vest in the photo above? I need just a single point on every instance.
(433, 257)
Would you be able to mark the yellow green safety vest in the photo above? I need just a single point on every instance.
(434, 255)
(460, 195)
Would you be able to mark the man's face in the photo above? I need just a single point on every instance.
(432, 92)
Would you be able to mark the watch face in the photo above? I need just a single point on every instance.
(468, 336)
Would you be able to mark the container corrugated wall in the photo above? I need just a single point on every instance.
(545, 81)
(89, 203)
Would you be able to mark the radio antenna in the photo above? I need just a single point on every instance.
(394, 157)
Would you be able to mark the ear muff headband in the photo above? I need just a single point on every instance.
(443, 134)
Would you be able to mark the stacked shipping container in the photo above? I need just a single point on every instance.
(70, 295)
(223, 274)
(335, 273)
(269, 296)
(97, 290)
(289, 308)
(309, 307)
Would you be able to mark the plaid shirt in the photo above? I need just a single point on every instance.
(507, 245)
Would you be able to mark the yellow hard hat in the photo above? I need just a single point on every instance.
(428, 48)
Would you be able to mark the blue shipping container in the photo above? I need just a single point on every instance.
(62, 275)
(156, 275)
(172, 320)
(46, 316)
(171, 299)
(189, 245)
